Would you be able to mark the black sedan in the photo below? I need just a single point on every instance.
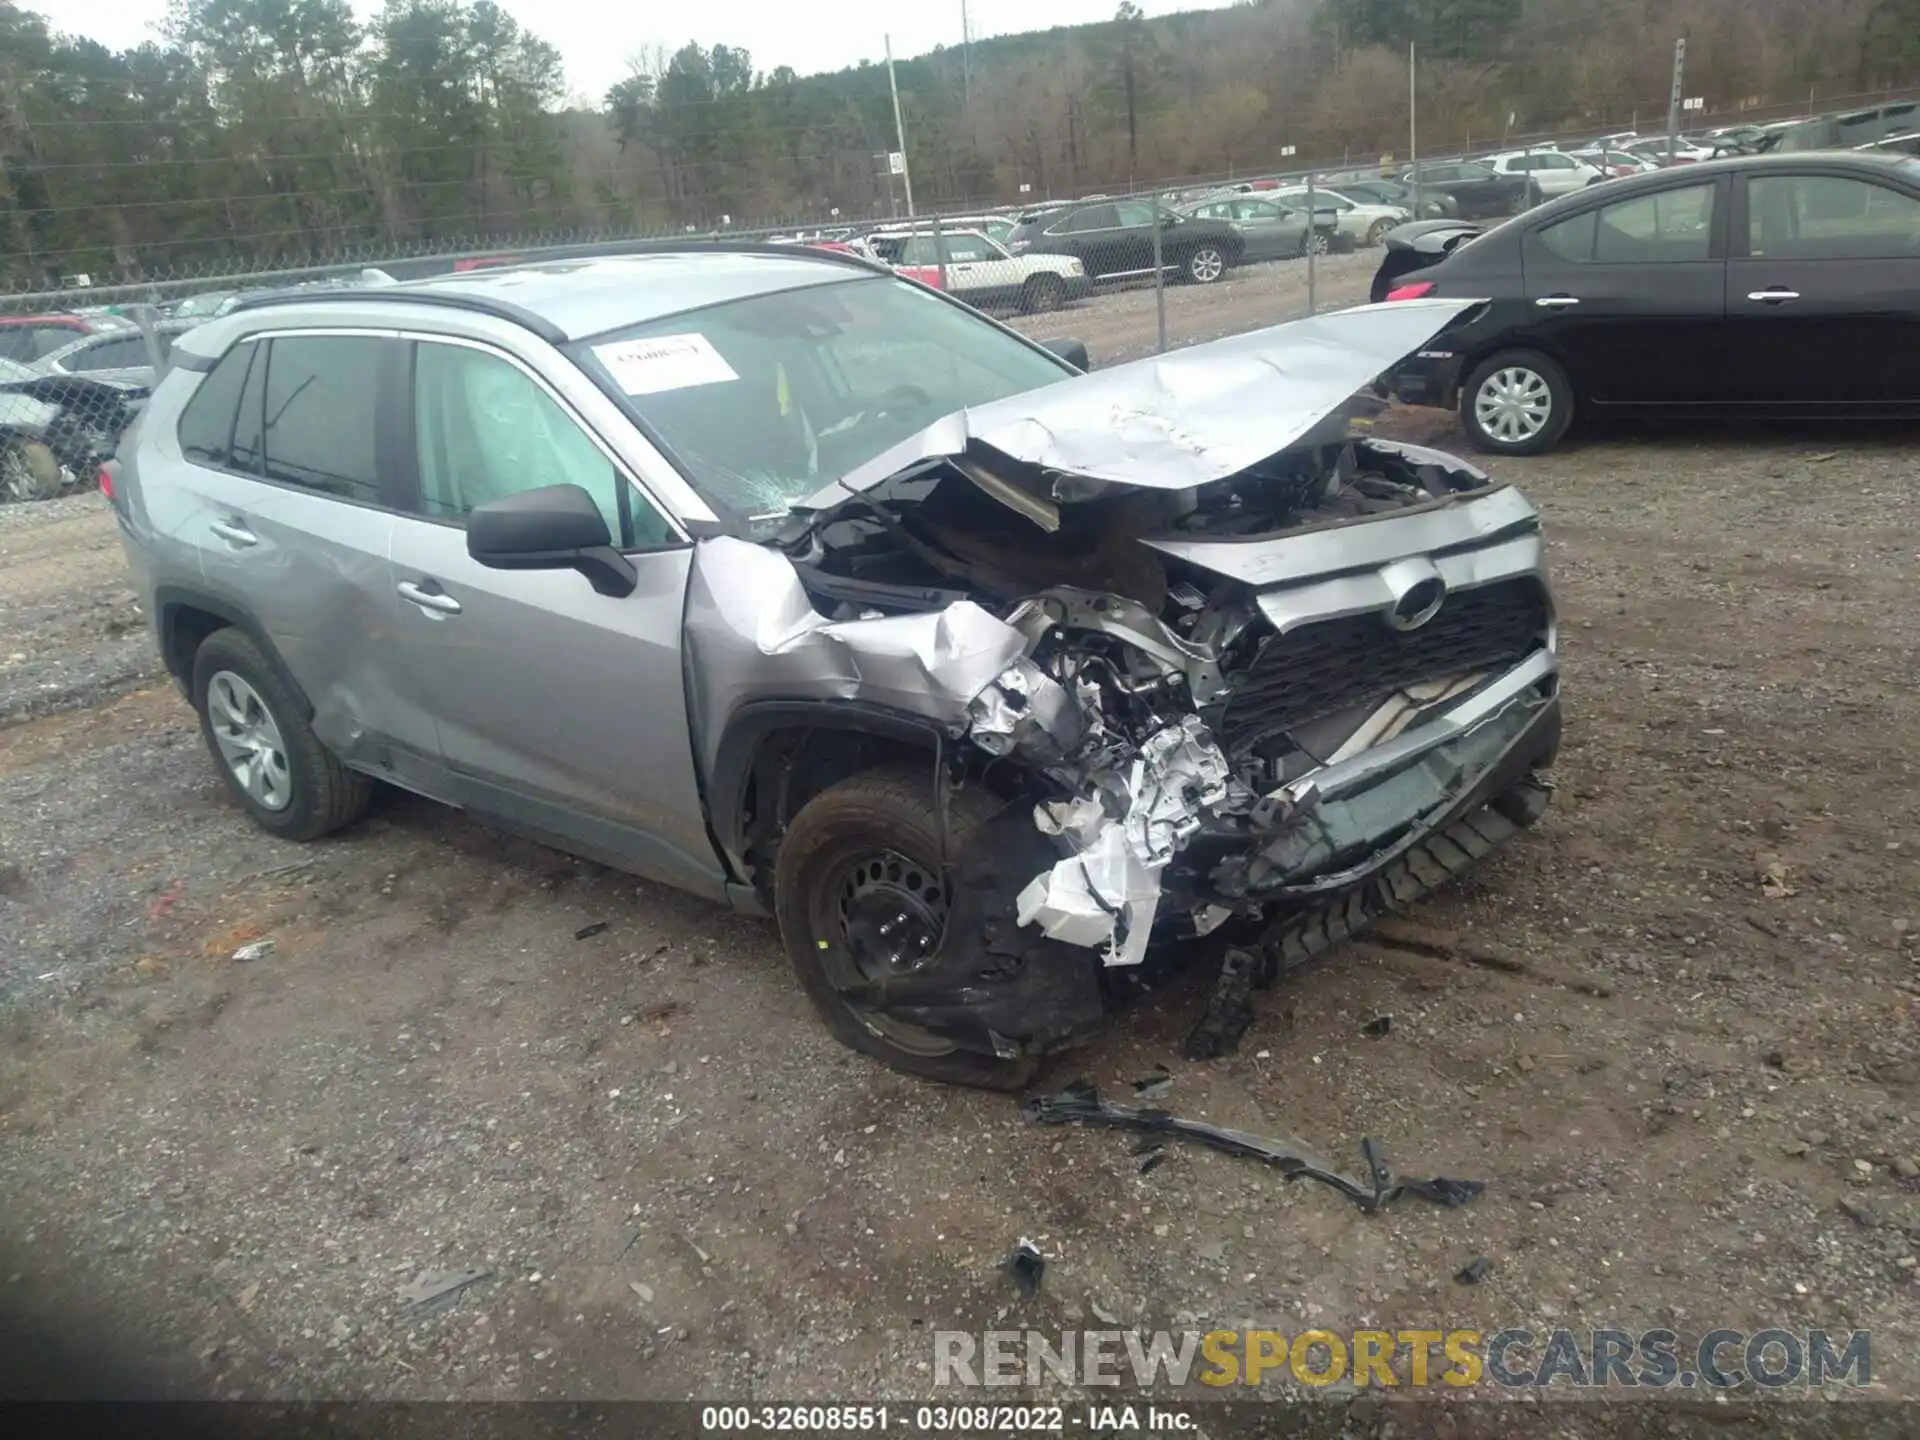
(1113, 240)
(1477, 191)
(1763, 284)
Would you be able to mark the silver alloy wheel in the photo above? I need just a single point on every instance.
(1206, 265)
(1514, 404)
(249, 740)
(1318, 243)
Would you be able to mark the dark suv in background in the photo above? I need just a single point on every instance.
(1113, 239)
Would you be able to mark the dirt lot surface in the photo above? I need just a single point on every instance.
(1673, 1028)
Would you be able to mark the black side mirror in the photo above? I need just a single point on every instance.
(1074, 352)
(557, 527)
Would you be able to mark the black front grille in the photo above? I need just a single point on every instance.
(1320, 670)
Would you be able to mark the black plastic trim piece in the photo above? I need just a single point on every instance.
(750, 726)
(169, 600)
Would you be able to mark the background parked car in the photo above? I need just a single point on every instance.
(1372, 190)
(1477, 191)
(982, 273)
(57, 430)
(1613, 164)
(26, 338)
(1113, 239)
(119, 356)
(1270, 229)
(1360, 222)
(1549, 173)
(1631, 297)
(1654, 149)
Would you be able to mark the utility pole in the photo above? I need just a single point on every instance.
(1673, 101)
(966, 58)
(899, 129)
(1413, 128)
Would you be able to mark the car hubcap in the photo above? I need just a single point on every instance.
(249, 740)
(1514, 404)
(1207, 265)
(893, 912)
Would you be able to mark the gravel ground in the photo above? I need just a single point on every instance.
(1673, 1029)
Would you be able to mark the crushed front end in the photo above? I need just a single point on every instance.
(1227, 666)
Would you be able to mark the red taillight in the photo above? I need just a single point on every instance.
(1411, 291)
(106, 482)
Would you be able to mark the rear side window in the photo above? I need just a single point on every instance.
(1666, 227)
(118, 354)
(206, 425)
(322, 393)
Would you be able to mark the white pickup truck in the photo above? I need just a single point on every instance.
(981, 272)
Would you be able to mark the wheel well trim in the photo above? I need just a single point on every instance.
(169, 601)
(752, 725)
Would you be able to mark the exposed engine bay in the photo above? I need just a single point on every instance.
(1278, 691)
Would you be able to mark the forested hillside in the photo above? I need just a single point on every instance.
(275, 131)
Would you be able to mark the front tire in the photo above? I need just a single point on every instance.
(860, 895)
(1518, 402)
(29, 470)
(1042, 294)
(256, 729)
(1377, 232)
(1205, 265)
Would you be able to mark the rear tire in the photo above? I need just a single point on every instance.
(1377, 232)
(1315, 242)
(1518, 402)
(300, 790)
(886, 821)
(1041, 294)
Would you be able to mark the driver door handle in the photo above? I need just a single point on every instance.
(1777, 295)
(1555, 301)
(235, 533)
(435, 601)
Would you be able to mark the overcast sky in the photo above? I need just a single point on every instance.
(597, 38)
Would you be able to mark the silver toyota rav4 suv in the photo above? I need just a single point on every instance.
(1007, 688)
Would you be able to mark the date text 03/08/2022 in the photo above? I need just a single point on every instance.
(942, 1419)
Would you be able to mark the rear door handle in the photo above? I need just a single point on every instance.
(235, 533)
(436, 601)
(1777, 295)
(1555, 301)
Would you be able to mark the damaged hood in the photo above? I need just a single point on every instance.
(1175, 421)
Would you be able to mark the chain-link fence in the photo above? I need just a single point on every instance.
(1138, 272)
(71, 382)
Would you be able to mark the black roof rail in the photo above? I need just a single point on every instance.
(376, 294)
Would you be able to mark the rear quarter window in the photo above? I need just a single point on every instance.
(206, 424)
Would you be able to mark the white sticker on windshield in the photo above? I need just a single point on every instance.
(666, 362)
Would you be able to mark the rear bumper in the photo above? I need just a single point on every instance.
(1430, 377)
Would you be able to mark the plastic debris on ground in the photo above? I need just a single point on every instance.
(1081, 1104)
(587, 932)
(258, 950)
(1026, 1265)
(1378, 1026)
(1475, 1270)
(432, 1287)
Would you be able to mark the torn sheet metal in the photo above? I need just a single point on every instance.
(1081, 1104)
(753, 633)
(1104, 893)
(1023, 708)
(1108, 891)
(1180, 773)
(1175, 421)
